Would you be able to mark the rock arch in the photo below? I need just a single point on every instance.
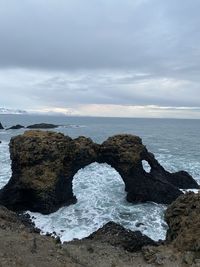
(44, 164)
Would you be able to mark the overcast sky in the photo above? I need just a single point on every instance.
(132, 58)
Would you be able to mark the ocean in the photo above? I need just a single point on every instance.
(98, 187)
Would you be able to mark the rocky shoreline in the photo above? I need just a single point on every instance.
(32, 126)
(43, 165)
(112, 245)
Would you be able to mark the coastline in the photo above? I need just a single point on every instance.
(83, 252)
(112, 245)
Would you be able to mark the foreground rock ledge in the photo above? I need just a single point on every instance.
(44, 164)
(110, 246)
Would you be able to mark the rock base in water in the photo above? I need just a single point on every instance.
(44, 164)
(116, 235)
(16, 127)
(1, 126)
(42, 126)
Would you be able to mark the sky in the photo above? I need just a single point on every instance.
(119, 58)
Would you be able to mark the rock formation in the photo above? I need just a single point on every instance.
(16, 127)
(183, 236)
(116, 235)
(42, 126)
(44, 164)
(183, 218)
(1, 126)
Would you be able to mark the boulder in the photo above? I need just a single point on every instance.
(44, 164)
(183, 218)
(42, 126)
(116, 235)
(182, 245)
(1, 126)
(16, 127)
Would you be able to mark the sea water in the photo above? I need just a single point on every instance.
(98, 187)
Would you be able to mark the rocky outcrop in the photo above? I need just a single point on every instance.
(182, 243)
(16, 127)
(42, 126)
(183, 218)
(44, 164)
(22, 246)
(116, 235)
(111, 245)
(1, 126)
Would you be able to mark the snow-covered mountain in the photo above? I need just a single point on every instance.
(12, 111)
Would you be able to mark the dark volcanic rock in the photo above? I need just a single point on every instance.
(38, 182)
(125, 153)
(182, 246)
(183, 180)
(183, 218)
(116, 235)
(1, 126)
(16, 127)
(44, 164)
(42, 126)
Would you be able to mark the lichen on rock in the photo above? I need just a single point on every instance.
(183, 218)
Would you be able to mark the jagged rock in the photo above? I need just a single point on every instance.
(182, 180)
(183, 218)
(42, 126)
(182, 243)
(125, 153)
(1, 126)
(116, 235)
(44, 164)
(16, 127)
(38, 182)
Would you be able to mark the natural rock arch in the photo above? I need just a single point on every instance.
(44, 164)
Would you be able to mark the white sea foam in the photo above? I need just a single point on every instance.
(5, 169)
(190, 190)
(101, 198)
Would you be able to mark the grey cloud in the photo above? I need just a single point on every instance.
(120, 88)
(99, 34)
(67, 53)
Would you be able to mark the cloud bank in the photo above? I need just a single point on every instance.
(108, 58)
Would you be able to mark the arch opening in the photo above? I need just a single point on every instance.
(146, 166)
(99, 189)
(98, 179)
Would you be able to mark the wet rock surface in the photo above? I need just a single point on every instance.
(44, 164)
(116, 235)
(16, 127)
(42, 126)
